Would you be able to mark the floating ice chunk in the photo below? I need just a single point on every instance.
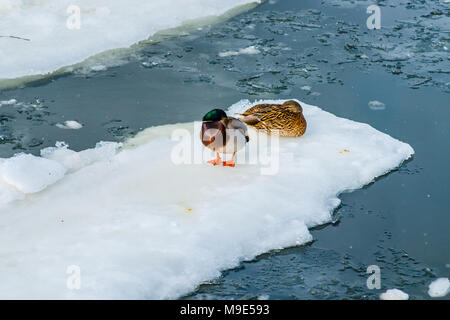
(376, 105)
(439, 288)
(70, 124)
(306, 88)
(394, 294)
(98, 67)
(8, 102)
(29, 174)
(228, 53)
(248, 50)
(140, 226)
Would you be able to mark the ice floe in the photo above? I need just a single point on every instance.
(138, 225)
(394, 294)
(70, 124)
(8, 102)
(38, 38)
(376, 105)
(439, 288)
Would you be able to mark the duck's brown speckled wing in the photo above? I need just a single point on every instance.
(259, 113)
(275, 118)
(261, 108)
(262, 114)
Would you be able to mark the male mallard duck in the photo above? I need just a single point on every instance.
(287, 118)
(223, 134)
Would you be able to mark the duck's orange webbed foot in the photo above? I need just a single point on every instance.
(216, 161)
(229, 163)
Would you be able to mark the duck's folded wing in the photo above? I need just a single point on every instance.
(260, 108)
(238, 125)
(251, 119)
(261, 113)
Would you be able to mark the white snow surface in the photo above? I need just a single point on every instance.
(73, 160)
(25, 173)
(38, 37)
(394, 294)
(140, 226)
(29, 174)
(439, 288)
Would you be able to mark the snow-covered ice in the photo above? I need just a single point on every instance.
(41, 37)
(439, 288)
(30, 174)
(394, 294)
(140, 226)
(73, 160)
(25, 173)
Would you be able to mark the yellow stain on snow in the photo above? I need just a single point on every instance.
(343, 151)
(187, 209)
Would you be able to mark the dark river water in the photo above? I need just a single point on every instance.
(320, 52)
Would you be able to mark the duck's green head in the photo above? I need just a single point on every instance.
(215, 115)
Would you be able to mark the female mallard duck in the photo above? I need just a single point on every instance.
(223, 134)
(285, 120)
